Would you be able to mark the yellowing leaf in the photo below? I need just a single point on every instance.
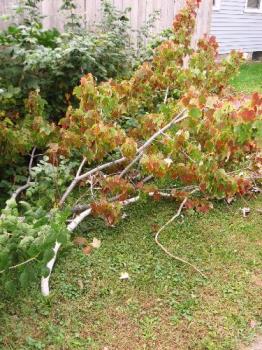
(96, 243)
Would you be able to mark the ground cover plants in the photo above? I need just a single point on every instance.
(173, 131)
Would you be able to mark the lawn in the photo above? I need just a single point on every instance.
(164, 305)
(249, 78)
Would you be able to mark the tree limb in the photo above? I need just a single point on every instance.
(71, 227)
(20, 189)
(181, 116)
(79, 177)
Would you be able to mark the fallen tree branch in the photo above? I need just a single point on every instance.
(80, 177)
(71, 227)
(181, 116)
(80, 208)
(45, 280)
(165, 249)
(21, 189)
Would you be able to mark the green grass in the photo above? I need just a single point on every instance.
(165, 304)
(249, 78)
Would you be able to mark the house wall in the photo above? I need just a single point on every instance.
(236, 29)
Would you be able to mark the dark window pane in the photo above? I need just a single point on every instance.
(253, 4)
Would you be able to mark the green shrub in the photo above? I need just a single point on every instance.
(33, 58)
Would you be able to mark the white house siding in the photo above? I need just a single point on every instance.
(235, 28)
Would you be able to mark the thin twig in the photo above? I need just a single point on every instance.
(21, 264)
(28, 184)
(165, 249)
(81, 167)
(30, 164)
(166, 95)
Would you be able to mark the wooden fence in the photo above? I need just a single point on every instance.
(139, 14)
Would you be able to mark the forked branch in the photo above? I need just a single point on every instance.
(79, 177)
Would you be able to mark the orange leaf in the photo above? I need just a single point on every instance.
(87, 250)
(248, 115)
(80, 241)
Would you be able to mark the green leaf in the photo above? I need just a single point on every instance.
(243, 132)
(195, 112)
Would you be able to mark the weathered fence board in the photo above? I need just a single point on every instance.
(141, 9)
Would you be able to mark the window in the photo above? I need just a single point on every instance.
(254, 6)
(216, 5)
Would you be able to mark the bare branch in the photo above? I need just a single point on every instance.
(21, 264)
(166, 95)
(165, 249)
(81, 167)
(50, 265)
(21, 189)
(28, 184)
(84, 176)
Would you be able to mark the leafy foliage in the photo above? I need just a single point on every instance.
(26, 244)
(33, 58)
(214, 136)
(221, 130)
(19, 135)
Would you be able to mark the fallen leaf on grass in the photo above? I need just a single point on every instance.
(253, 324)
(80, 241)
(124, 276)
(96, 243)
(81, 284)
(245, 212)
(87, 250)
(230, 200)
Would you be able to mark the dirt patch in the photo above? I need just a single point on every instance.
(256, 345)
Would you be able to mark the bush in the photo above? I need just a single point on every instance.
(51, 64)
(33, 58)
